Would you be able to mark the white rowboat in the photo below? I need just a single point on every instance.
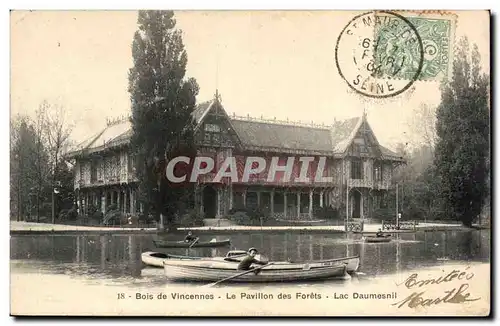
(213, 271)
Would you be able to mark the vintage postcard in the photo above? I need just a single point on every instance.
(250, 163)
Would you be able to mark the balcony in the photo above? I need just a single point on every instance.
(365, 183)
(382, 185)
(359, 183)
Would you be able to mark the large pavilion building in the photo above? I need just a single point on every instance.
(360, 168)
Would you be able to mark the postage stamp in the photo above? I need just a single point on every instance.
(249, 163)
(381, 54)
(437, 32)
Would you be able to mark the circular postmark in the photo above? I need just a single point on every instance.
(380, 54)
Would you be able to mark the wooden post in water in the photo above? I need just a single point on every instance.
(398, 254)
(78, 249)
(285, 247)
(347, 206)
(397, 207)
(299, 246)
(104, 242)
(311, 249)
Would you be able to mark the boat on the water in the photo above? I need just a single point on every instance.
(377, 239)
(207, 270)
(155, 259)
(352, 262)
(184, 244)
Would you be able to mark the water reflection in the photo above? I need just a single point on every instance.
(119, 256)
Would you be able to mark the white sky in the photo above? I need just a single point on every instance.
(274, 64)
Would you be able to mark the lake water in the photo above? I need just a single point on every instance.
(104, 275)
(119, 256)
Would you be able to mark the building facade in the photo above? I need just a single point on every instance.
(361, 169)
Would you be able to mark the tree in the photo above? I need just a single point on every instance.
(56, 134)
(462, 149)
(162, 105)
(28, 173)
(37, 162)
(423, 125)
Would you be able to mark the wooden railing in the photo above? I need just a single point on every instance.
(403, 225)
(362, 183)
(354, 225)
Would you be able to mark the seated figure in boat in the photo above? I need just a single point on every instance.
(250, 259)
(190, 237)
(379, 233)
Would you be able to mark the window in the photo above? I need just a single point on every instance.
(82, 165)
(131, 163)
(212, 128)
(206, 137)
(377, 171)
(356, 169)
(360, 146)
(93, 171)
(383, 200)
(216, 138)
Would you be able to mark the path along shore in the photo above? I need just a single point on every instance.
(44, 228)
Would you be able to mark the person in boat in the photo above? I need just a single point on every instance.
(190, 237)
(250, 259)
(379, 234)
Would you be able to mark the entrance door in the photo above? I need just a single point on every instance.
(356, 210)
(209, 202)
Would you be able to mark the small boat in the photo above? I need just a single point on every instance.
(352, 262)
(206, 270)
(183, 244)
(377, 239)
(155, 259)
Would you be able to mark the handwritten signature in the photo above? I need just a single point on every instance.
(454, 295)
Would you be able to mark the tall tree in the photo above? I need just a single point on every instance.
(463, 131)
(56, 134)
(423, 125)
(162, 105)
(29, 163)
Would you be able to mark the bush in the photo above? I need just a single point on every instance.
(249, 216)
(327, 213)
(113, 216)
(68, 214)
(191, 218)
(110, 208)
(384, 214)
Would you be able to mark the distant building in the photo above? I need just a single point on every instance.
(104, 168)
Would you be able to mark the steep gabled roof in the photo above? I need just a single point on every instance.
(389, 154)
(255, 134)
(266, 134)
(113, 135)
(343, 132)
(201, 110)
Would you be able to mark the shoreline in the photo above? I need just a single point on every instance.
(25, 228)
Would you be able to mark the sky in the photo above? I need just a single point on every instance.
(263, 63)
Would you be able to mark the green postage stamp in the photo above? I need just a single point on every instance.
(434, 44)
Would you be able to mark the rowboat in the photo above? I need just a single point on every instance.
(183, 244)
(155, 259)
(206, 270)
(377, 239)
(352, 262)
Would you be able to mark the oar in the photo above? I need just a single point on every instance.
(237, 275)
(194, 243)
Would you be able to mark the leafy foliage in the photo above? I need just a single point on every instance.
(327, 213)
(162, 105)
(462, 150)
(249, 215)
